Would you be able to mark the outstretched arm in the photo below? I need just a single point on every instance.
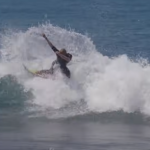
(50, 44)
(68, 59)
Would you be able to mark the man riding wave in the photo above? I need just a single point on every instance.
(63, 58)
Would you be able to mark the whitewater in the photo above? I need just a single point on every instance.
(98, 84)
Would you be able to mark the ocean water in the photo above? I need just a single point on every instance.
(106, 103)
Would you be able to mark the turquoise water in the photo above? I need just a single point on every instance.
(106, 103)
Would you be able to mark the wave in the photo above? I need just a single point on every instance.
(12, 94)
(99, 84)
(112, 117)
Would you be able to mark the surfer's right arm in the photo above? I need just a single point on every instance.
(50, 44)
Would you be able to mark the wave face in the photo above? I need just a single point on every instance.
(99, 84)
(12, 93)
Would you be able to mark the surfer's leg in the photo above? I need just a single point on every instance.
(51, 70)
(42, 71)
(66, 71)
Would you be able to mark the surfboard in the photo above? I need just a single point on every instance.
(36, 73)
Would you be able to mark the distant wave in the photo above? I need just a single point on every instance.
(112, 117)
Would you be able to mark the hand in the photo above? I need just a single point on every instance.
(44, 35)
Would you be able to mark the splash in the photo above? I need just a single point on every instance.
(104, 84)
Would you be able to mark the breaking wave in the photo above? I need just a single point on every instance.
(100, 86)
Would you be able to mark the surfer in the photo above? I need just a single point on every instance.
(63, 58)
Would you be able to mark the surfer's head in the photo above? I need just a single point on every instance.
(63, 51)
